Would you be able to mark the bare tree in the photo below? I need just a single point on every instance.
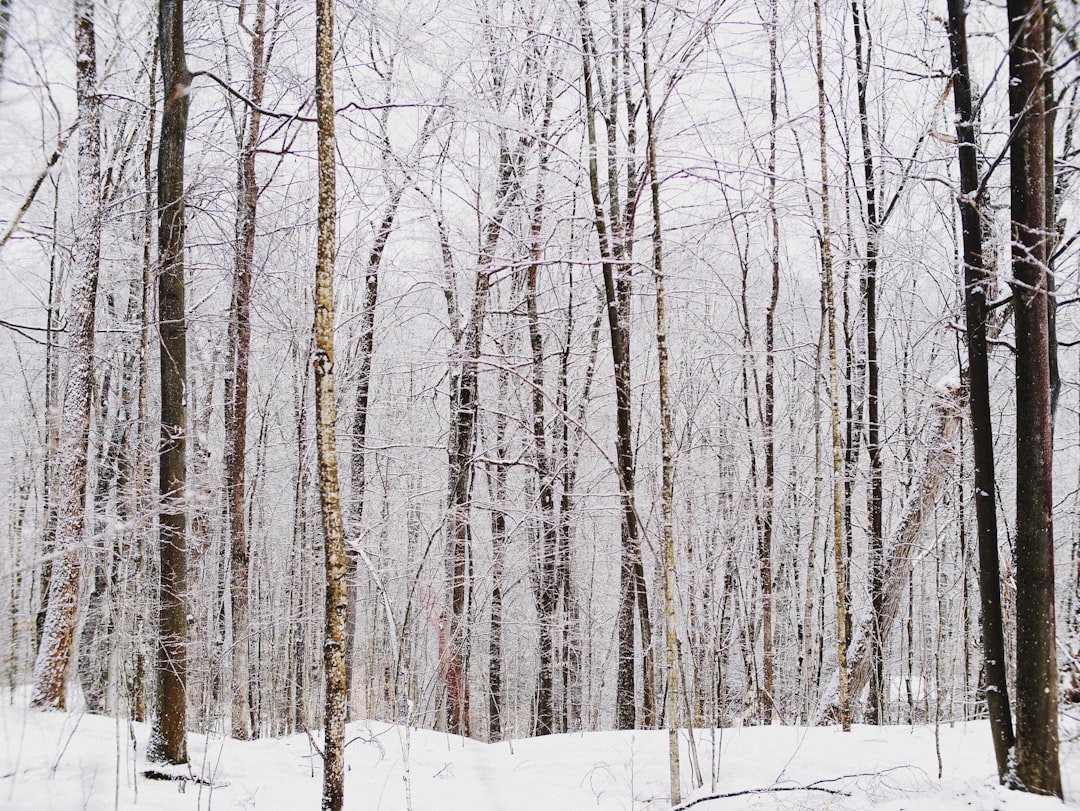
(58, 634)
(169, 739)
(236, 383)
(333, 795)
(1037, 768)
(977, 283)
(834, 389)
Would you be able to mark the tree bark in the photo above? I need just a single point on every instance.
(834, 390)
(236, 388)
(876, 500)
(169, 739)
(667, 476)
(58, 634)
(977, 283)
(1037, 768)
(333, 794)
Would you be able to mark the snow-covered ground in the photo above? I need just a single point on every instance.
(68, 761)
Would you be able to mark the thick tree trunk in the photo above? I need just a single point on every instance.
(977, 282)
(1037, 768)
(58, 634)
(169, 740)
(333, 795)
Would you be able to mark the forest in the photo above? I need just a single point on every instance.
(508, 369)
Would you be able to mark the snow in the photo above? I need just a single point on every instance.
(52, 760)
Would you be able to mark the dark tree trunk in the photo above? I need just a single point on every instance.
(977, 283)
(1037, 768)
(876, 500)
(169, 740)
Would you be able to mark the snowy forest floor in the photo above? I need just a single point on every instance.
(79, 761)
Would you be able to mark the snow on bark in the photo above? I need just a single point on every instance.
(904, 546)
(58, 634)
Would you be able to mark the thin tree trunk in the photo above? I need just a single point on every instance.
(236, 389)
(1037, 768)
(834, 389)
(976, 286)
(876, 500)
(333, 794)
(547, 585)
(769, 507)
(499, 542)
(58, 634)
(667, 486)
(613, 230)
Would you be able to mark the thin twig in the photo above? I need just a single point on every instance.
(743, 793)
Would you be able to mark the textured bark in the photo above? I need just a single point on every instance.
(876, 498)
(139, 451)
(977, 283)
(765, 565)
(168, 741)
(834, 390)
(236, 388)
(548, 552)
(1037, 767)
(58, 633)
(499, 539)
(333, 794)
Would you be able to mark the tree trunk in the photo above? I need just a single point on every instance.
(333, 795)
(169, 739)
(834, 389)
(236, 389)
(1037, 768)
(667, 486)
(547, 557)
(58, 634)
(977, 282)
(876, 499)
(765, 566)
(614, 230)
